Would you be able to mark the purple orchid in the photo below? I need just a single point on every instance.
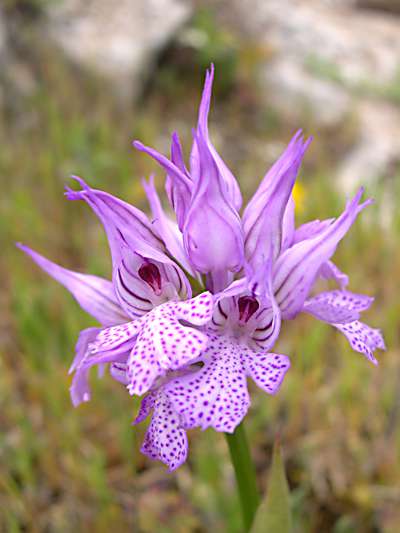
(190, 356)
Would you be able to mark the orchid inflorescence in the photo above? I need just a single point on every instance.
(195, 306)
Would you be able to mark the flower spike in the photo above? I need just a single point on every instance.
(190, 358)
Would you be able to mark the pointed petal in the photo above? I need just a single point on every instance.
(288, 225)
(94, 294)
(311, 229)
(121, 220)
(177, 155)
(231, 185)
(132, 241)
(165, 439)
(337, 306)
(212, 220)
(179, 185)
(330, 271)
(362, 338)
(296, 269)
(215, 396)
(264, 215)
(166, 228)
(267, 370)
(165, 344)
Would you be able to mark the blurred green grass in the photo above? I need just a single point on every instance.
(63, 469)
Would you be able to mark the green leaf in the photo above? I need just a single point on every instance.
(274, 515)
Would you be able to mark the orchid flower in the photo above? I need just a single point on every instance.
(188, 349)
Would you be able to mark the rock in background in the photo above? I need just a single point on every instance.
(333, 59)
(117, 40)
(326, 63)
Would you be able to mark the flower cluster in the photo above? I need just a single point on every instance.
(190, 355)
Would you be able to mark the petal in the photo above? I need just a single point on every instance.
(266, 321)
(268, 326)
(362, 338)
(116, 340)
(267, 370)
(264, 215)
(85, 338)
(337, 306)
(197, 311)
(121, 220)
(311, 229)
(235, 288)
(84, 360)
(212, 220)
(118, 371)
(179, 185)
(330, 271)
(288, 225)
(80, 389)
(174, 283)
(166, 228)
(231, 185)
(225, 311)
(217, 394)
(165, 439)
(177, 155)
(296, 269)
(94, 294)
(146, 406)
(133, 241)
(135, 296)
(165, 344)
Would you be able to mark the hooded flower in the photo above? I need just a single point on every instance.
(190, 356)
(244, 326)
(206, 201)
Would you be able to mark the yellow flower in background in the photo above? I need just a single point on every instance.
(298, 196)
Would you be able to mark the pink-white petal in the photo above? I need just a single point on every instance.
(267, 370)
(165, 439)
(116, 338)
(337, 306)
(362, 338)
(215, 396)
(146, 406)
(198, 310)
(165, 344)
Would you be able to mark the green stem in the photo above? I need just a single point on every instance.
(245, 474)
